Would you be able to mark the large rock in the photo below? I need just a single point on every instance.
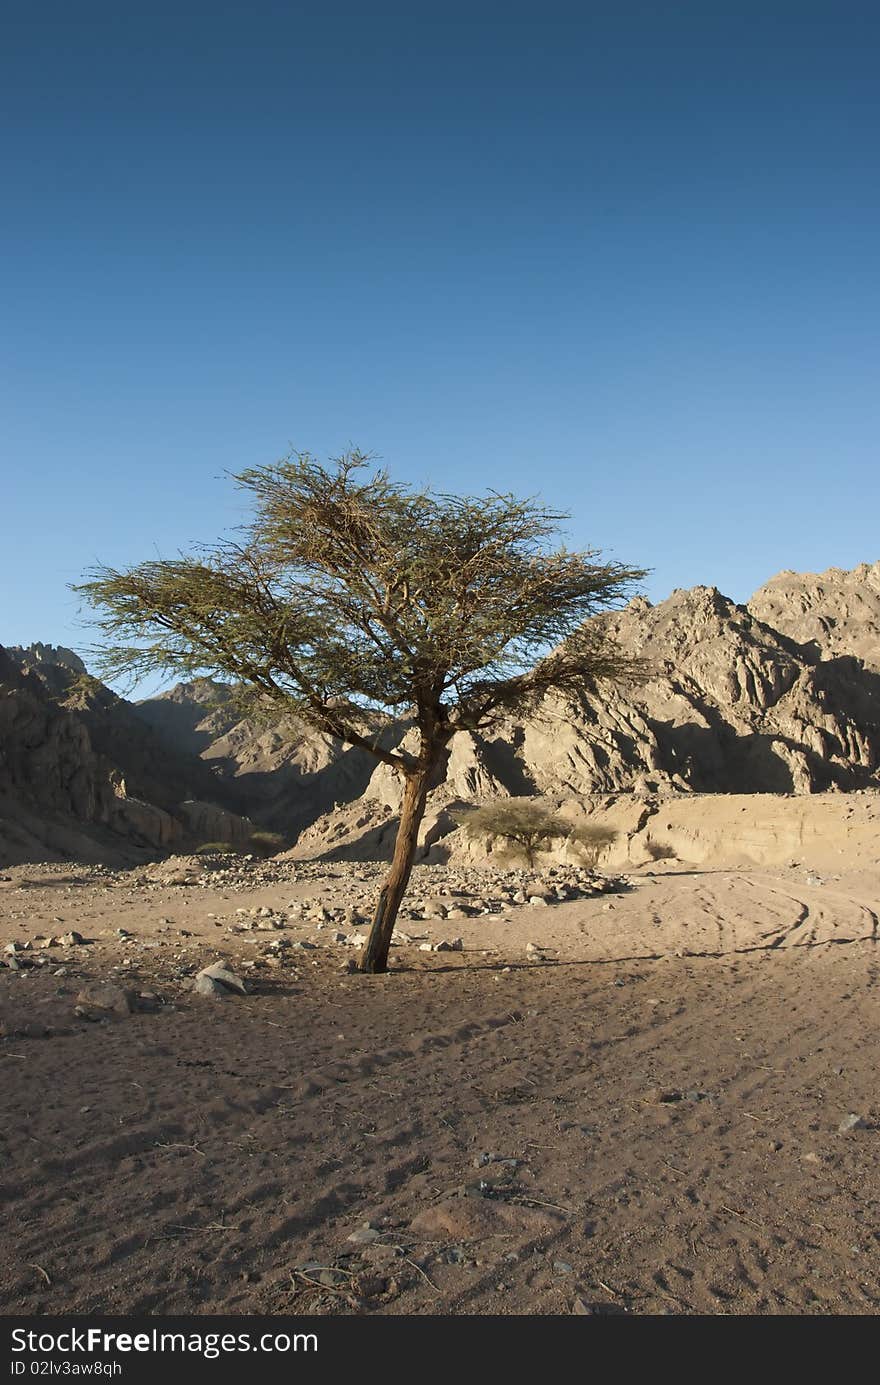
(218, 980)
(106, 998)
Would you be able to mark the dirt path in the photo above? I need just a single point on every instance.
(669, 1081)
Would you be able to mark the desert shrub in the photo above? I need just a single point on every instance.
(660, 851)
(265, 844)
(593, 839)
(215, 849)
(524, 825)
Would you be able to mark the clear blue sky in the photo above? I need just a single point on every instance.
(621, 254)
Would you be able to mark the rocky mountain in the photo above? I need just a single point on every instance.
(82, 775)
(779, 696)
(834, 613)
(282, 774)
(153, 767)
(728, 705)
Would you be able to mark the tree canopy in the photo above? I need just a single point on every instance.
(350, 598)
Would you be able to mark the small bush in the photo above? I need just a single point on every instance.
(265, 844)
(592, 839)
(524, 825)
(215, 849)
(527, 828)
(660, 851)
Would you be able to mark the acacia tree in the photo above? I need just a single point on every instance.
(354, 602)
(529, 826)
(517, 820)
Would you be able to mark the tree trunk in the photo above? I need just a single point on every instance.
(412, 810)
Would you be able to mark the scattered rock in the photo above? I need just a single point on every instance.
(585, 1309)
(368, 1285)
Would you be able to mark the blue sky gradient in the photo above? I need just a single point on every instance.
(624, 255)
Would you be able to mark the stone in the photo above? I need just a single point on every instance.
(583, 1308)
(472, 1218)
(219, 972)
(851, 1122)
(364, 1236)
(105, 997)
(207, 985)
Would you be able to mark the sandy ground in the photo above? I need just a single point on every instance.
(644, 1118)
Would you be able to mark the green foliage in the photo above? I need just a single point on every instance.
(529, 827)
(215, 849)
(353, 602)
(350, 594)
(519, 821)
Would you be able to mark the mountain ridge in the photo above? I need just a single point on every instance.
(777, 695)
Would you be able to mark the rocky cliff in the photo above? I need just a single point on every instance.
(833, 613)
(81, 775)
(778, 696)
(729, 704)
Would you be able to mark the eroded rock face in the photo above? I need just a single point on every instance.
(205, 822)
(62, 795)
(46, 756)
(779, 696)
(834, 613)
(728, 706)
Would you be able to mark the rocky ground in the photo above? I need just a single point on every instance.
(648, 1094)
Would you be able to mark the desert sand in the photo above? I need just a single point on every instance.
(670, 1108)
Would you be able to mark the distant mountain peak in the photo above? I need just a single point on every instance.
(39, 655)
